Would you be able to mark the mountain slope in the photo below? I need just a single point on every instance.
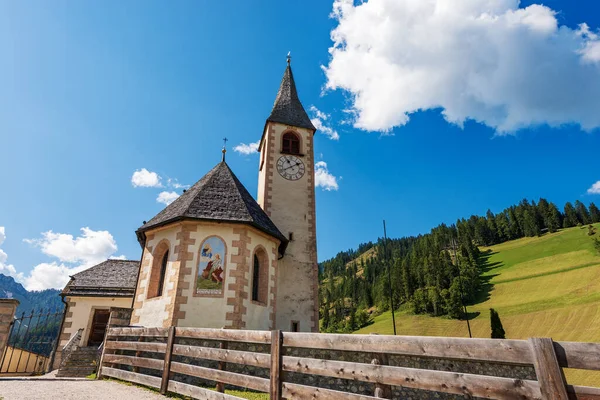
(49, 299)
(546, 286)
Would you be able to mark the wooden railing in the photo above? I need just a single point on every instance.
(161, 354)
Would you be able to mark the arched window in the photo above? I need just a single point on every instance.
(255, 278)
(163, 271)
(159, 270)
(260, 276)
(291, 143)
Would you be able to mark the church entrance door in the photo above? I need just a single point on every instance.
(98, 329)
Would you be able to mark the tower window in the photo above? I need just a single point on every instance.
(291, 236)
(295, 326)
(291, 143)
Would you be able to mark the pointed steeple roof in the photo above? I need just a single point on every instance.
(287, 108)
(218, 196)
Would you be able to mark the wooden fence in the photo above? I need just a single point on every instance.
(166, 355)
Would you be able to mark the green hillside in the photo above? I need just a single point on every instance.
(546, 286)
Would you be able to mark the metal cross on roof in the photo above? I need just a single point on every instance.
(225, 140)
(289, 57)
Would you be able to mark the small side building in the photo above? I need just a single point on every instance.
(89, 295)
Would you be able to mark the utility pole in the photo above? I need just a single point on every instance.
(385, 257)
(462, 299)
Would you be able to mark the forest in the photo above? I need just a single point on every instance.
(436, 273)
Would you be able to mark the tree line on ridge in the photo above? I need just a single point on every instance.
(434, 273)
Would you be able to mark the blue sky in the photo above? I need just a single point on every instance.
(437, 117)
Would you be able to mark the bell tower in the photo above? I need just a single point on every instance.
(286, 192)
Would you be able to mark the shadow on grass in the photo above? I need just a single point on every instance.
(472, 315)
(485, 266)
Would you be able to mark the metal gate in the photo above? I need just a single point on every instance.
(31, 340)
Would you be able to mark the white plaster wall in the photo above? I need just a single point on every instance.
(83, 312)
(258, 316)
(152, 312)
(208, 312)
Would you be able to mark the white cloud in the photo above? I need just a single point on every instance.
(174, 183)
(50, 276)
(251, 148)
(74, 255)
(144, 178)
(7, 269)
(323, 178)
(167, 197)
(484, 60)
(319, 123)
(595, 189)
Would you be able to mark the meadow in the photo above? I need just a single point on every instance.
(546, 286)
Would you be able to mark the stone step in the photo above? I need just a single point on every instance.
(74, 374)
(83, 357)
(79, 365)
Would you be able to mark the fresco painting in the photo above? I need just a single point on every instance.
(211, 267)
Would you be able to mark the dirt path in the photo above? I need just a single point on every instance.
(49, 387)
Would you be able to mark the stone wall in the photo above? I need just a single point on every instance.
(481, 368)
(7, 314)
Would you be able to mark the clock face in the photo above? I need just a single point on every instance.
(290, 167)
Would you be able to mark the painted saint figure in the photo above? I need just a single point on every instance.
(211, 267)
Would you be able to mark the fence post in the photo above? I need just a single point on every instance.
(549, 373)
(101, 361)
(222, 367)
(167, 366)
(276, 358)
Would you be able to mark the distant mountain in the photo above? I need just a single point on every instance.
(46, 299)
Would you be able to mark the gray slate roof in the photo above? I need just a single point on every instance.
(218, 196)
(287, 108)
(115, 278)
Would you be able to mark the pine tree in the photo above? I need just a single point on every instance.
(496, 324)
(515, 229)
(570, 219)
(594, 213)
(597, 245)
(454, 300)
(582, 213)
(552, 218)
(503, 227)
(492, 227)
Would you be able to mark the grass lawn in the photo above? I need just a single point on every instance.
(545, 287)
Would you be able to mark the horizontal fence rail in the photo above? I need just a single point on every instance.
(170, 359)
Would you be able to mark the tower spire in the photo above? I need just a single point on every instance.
(288, 109)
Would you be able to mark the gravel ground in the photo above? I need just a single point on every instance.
(49, 387)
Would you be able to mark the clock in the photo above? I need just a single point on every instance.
(290, 167)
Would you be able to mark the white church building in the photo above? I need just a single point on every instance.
(218, 258)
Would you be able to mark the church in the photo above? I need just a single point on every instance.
(218, 258)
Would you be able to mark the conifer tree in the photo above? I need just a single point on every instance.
(496, 324)
(552, 218)
(594, 213)
(570, 218)
(582, 213)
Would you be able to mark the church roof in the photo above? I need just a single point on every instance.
(287, 108)
(114, 278)
(218, 196)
